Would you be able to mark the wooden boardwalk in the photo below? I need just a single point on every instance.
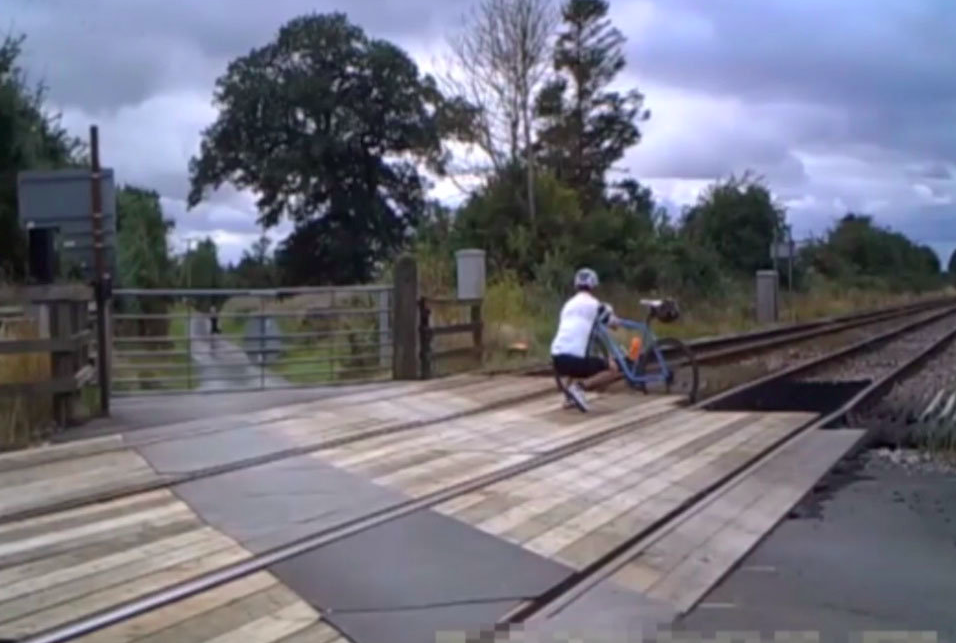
(65, 564)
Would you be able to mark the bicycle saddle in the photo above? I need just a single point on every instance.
(664, 310)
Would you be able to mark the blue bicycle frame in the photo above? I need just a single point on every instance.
(636, 372)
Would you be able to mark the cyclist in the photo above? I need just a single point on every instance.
(569, 349)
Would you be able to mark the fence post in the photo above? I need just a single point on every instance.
(766, 301)
(424, 339)
(62, 364)
(477, 333)
(383, 329)
(405, 329)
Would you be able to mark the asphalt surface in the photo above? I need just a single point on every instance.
(872, 550)
(222, 365)
(149, 411)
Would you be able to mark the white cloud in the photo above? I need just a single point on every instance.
(812, 105)
(149, 139)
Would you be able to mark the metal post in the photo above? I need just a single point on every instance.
(477, 332)
(262, 342)
(790, 249)
(189, 347)
(100, 280)
(383, 296)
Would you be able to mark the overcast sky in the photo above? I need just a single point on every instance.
(847, 104)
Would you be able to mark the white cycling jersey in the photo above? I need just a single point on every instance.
(576, 323)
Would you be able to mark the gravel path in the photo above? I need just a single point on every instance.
(873, 364)
(718, 377)
(920, 410)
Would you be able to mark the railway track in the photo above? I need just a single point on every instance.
(932, 330)
(891, 358)
(710, 353)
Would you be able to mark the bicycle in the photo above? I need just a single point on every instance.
(641, 372)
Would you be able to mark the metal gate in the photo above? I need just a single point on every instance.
(228, 340)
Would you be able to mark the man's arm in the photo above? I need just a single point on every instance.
(607, 316)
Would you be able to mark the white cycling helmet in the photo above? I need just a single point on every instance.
(585, 278)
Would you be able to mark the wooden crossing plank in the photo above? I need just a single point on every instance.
(44, 481)
(580, 507)
(273, 626)
(44, 484)
(60, 567)
(681, 564)
(48, 453)
(485, 432)
(539, 491)
(175, 618)
(337, 407)
(256, 609)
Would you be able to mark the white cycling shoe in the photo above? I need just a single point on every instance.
(576, 398)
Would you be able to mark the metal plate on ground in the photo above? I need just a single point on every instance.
(417, 576)
(273, 504)
(192, 453)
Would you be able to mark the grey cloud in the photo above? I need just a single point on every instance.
(869, 80)
(934, 171)
(889, 65)
(101, 54)
(208, 218)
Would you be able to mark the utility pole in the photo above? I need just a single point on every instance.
(101, 279)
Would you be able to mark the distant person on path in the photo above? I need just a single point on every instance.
(569, 349)
(214, 322)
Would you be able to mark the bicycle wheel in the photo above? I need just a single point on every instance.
(684, 377)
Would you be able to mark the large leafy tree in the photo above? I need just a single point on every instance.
(738, 219)
(326, 126)
(587, 127)
(952, 264)
(30, 138)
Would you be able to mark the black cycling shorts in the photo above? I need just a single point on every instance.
(578, 367)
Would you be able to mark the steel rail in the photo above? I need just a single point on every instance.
(296, 451)
(204, 582)
(576, 585)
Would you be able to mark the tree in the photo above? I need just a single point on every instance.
(738, 220)
(500, 57)
(587, 128)
(325, 125)
(952, 264)
(30, 138)
(491, 219)
(256, 268)
(858, 252)
(143, 259)
(142, 256)
(323, 252)
(201, 266)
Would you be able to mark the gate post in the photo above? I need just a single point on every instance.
(767, 297)
(405, 329)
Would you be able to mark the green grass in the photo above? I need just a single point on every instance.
(159, 371)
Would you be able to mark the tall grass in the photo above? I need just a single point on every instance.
(23, 419)
(316, 348)
(522, 313)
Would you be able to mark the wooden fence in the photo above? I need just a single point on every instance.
(60, 313)
(427, 333)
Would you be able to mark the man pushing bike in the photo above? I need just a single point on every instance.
(569, 349)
